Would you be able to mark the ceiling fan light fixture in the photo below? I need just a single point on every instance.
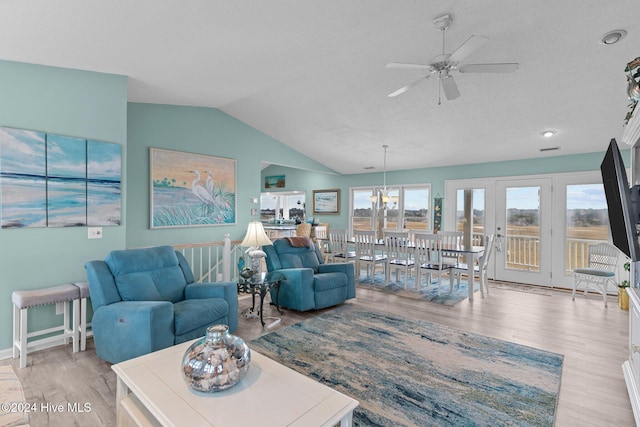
(613, 37)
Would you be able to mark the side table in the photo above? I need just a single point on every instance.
(261, 290)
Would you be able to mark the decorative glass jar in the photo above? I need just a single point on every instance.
(217, 361)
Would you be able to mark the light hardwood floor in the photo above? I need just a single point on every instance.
(592, 338)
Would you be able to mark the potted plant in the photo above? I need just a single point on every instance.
(623, 297)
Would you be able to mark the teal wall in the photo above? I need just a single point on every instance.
(66, 102)
(202, 131)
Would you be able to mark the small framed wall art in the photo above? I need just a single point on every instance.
(275, 181)
(326, 201)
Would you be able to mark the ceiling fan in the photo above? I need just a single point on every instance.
(442, 65)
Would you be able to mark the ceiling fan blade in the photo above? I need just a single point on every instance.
(467, 48)
(489, 68)
(407, 87)
(404, 66)
(450, 88)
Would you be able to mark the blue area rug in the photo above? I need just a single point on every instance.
(415, 373)
(428, 291)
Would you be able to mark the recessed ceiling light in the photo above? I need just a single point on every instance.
(613, 37)
(549, 133)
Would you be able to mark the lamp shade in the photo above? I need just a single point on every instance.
(255, 236)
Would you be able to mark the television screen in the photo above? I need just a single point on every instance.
(620, 202)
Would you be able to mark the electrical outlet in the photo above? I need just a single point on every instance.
(94, 232)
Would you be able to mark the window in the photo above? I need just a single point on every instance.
(587, 222)
(282, 205)
(362, 211)
(416, 208)
(407, 208)
(478, 212)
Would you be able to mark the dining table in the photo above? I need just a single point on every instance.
(469, 252)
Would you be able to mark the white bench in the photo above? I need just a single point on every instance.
(23, 300)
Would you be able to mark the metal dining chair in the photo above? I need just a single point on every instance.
(365, 241)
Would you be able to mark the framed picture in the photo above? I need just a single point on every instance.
(50, 180)
(276, 181)
(326, 201)
(191, 190)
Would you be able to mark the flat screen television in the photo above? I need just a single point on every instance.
(621, 202)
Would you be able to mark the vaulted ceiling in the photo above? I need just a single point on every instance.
(312, 74)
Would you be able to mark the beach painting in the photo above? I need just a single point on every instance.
(326, 201)
(191, 190)
(66, 179)
(23, 184)
(45, 180)
(104, 169)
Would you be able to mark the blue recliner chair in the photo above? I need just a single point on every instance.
(307, 282)
(146, 299)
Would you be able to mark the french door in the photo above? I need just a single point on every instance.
(521, 211)
(523, 251)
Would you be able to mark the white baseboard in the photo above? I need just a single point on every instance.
(8, 352)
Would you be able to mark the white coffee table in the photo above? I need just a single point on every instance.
(151, 391)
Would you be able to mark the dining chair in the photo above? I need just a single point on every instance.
(451, 239)
(399, 254)
(339, 246)
(481, 268)
(600, 271)
(320, 232)
(365, 241)
(428, 258)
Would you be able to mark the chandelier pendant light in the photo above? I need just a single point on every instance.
(383, 196)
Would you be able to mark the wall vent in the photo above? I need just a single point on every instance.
(542, 150)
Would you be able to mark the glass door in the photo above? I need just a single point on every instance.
(523, 231)
(583, 207)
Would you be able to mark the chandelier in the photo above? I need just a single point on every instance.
(383, 195)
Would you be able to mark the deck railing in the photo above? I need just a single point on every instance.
(213, 261)
(217, 261)
(523, 252)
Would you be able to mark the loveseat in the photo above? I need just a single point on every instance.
(146, 299)
(307, 283)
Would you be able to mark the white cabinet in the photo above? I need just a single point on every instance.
(631, 367)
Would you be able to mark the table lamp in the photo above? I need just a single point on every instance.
(254, 240)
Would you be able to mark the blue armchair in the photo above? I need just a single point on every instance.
(146, 299)
(307, 282)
